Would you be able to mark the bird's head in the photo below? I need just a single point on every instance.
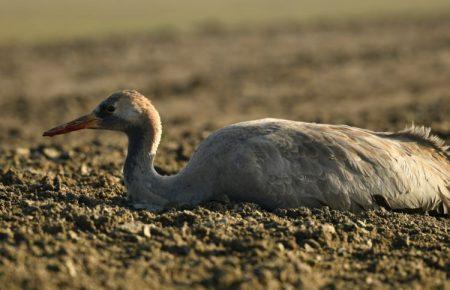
(122, 111)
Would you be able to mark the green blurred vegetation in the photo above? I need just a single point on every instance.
(49, 20)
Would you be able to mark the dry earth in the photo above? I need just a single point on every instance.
(64, 217)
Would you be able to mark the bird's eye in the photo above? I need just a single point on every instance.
(110, 108)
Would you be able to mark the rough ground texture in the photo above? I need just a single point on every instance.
(64, 218)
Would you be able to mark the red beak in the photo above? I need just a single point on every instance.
(86, 122)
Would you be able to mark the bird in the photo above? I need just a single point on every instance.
(278, 163)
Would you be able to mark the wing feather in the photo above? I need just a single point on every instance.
(346, 168)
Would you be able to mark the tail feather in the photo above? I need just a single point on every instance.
(422, 135)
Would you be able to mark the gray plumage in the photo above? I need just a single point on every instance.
(281, 163)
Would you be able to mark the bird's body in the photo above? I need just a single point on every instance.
(281, 163)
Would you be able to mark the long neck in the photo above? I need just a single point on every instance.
(145, 186)
(141, 151)
(143, 183)
(143, 141)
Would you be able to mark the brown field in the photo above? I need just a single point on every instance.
(64, 218)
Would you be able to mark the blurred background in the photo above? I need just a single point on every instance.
(45, 20)
(205, 64)
(376, 64)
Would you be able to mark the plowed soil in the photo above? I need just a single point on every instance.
(64, 218)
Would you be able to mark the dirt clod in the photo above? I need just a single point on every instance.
(66, 222)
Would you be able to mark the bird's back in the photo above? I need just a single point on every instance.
(280, 163)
